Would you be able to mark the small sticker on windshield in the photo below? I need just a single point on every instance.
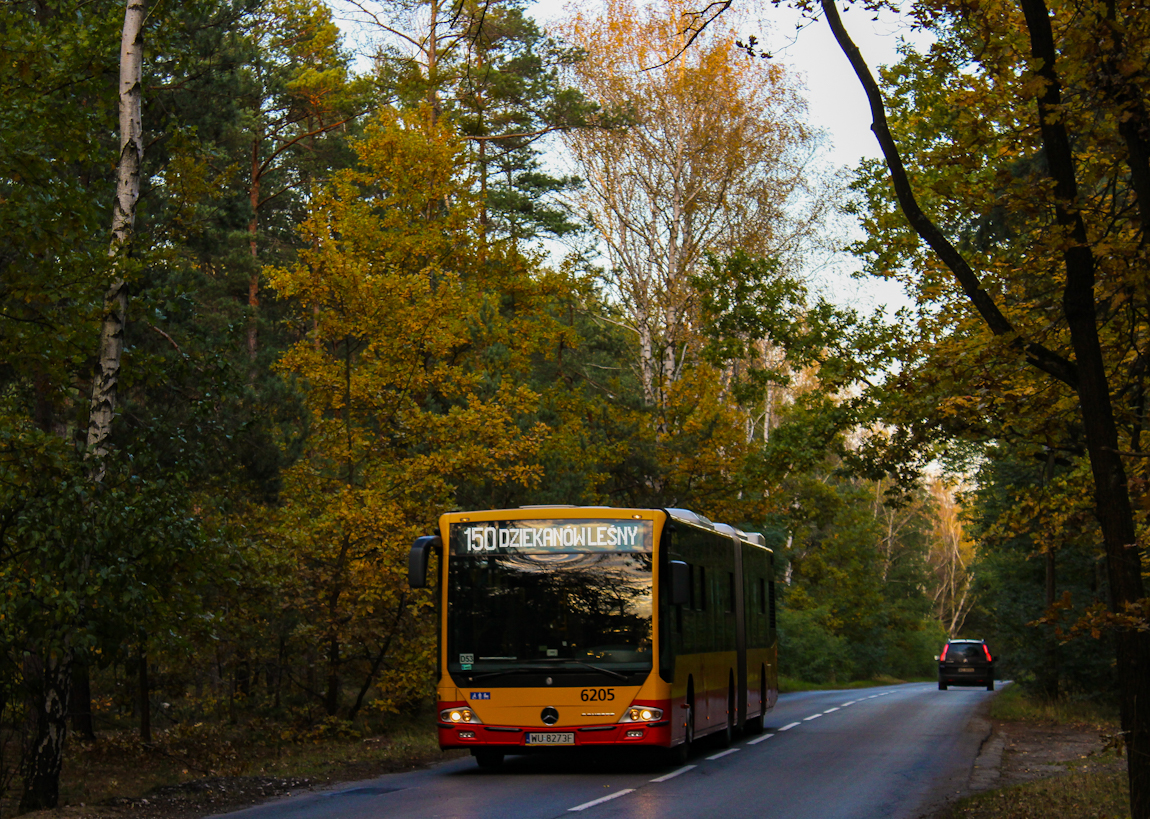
(467, 658)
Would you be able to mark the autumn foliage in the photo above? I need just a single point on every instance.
(342, 320)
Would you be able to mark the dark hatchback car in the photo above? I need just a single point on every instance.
(965, 662)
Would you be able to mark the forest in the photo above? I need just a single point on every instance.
(282, 281)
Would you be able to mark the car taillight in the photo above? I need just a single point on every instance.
(944, 648)
(987, 650)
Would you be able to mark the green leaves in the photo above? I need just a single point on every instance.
(750, 306)
(83, 565)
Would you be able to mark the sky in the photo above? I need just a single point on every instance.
(837, 104)
(834, 94)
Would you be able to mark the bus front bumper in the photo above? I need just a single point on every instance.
(531, 739)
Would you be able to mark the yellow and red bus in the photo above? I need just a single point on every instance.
(564, 626)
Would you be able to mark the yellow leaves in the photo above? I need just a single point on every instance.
(957, 406)
(1052, 516)
(409, 359)
(1097, 619)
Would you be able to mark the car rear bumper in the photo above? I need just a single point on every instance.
(960, 676)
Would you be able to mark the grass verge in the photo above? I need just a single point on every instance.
(1077, 795)
(788, 685)
(1015, 705)
(1091, 788)
(204, 768)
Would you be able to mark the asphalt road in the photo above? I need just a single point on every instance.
(888, 753)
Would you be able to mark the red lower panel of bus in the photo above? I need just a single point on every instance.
(454, 736)
(556, 736)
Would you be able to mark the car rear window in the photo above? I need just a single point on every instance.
(965, 653)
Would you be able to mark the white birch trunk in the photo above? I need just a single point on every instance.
(103, 404)
(44, 757)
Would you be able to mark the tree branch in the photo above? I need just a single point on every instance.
(1039, 356)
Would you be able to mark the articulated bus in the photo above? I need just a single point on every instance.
(567, 626)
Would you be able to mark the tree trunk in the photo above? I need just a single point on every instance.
(81, 702)
(103, 403)
(144, 692)
(377, 663)
(44, 755)
(1111, 491)
(1086, 374)
(1050, 684)
(49, 681)
(253, 249)
(281, 661)
(331, 696)
(242, 675)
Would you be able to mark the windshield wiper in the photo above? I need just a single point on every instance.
(503, 671)
(519, 668)
(598, 668)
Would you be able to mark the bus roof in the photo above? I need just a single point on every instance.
(685, 516)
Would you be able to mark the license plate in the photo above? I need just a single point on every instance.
(967, 669)
(552, 738)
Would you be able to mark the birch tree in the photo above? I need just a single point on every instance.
(51, 667)
(951, 554)
(718, 158)
(103, 403)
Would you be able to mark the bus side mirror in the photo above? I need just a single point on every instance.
(680, 582)
(418, 558)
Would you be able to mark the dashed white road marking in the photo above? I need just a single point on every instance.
(601, 800)
(721, 754)
(683, 770)
(673, 774)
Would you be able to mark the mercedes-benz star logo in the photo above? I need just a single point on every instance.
(550, 716)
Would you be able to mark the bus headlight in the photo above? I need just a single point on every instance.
(642, 713)
(459, 716)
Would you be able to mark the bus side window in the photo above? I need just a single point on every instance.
(762, 596)
(730, 601)
(702, 600)
(771, 587)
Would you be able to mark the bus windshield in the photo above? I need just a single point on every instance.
(555, 602)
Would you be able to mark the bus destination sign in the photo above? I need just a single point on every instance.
(540, 536)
